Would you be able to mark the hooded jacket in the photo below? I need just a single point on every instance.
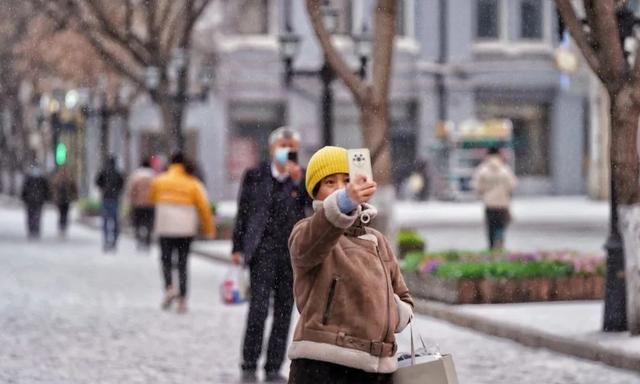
(494, 181)
(349, 291)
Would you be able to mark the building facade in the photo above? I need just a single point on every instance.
(454, 60)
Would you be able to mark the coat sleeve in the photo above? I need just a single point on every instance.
(204, 210)
(476, 181)
(511, 180)
(153, 192)
(401, 294)
(312, 240)
(244, 202)
(100, 180)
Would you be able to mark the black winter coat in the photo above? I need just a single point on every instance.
(253, 209)
(35, 189)
(111, 182)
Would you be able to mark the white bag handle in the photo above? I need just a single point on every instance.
(413, 349)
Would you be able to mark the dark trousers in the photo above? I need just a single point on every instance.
(34, 217)
(142, 220)
(179, 246)
(271, 275)
(110, 225)
(497, 220)
(305, 371)
(63, 215)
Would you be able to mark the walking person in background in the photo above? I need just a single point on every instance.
(138, 193)
(350, 292)
(181, 207)
(494, 181)
(65, 192)
(111, 183)
(35, 192)
(271, 201)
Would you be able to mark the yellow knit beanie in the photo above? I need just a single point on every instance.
(326, 161)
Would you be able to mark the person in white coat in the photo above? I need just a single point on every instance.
(495, 182)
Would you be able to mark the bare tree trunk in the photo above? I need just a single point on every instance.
(126, 130)
(626, 172)
(19, 147)
(374, 122)
(3, 149)
(104, 135)
(624, 149)
(167, 112)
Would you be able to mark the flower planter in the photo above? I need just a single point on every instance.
(472, 291)
(447, 291)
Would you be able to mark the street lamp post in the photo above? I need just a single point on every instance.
(289, 47)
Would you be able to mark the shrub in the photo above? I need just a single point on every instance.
(89, 207)
(409, 240)
(502, 270)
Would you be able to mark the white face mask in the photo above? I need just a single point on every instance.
(281, 155)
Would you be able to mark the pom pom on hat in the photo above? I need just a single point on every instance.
(326, 161)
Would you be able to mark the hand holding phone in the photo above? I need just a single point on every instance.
(361, 190)
(359, 164)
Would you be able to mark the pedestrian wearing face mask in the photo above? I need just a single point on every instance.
(272, 199)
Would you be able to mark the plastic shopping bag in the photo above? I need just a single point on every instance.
(235, 286)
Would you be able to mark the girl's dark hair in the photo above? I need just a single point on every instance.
(315, 190)
(177, 158)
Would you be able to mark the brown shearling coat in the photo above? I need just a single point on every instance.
(349, 291)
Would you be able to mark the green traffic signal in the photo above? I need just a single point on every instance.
(61, 154)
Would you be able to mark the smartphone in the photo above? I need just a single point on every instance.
(293, 156)
(360, 163)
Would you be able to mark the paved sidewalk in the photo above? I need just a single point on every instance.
(572, 328)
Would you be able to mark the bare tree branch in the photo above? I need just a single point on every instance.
(574, 26)
(357, 86)
(133, 45)
(611, 51)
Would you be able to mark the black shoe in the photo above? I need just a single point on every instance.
(275, 377)
(248, 376)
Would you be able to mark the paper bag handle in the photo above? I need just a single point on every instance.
(413, 348)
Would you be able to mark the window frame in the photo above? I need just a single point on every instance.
(502, 24)
(509, 34)
(546, 21)
(270, 22)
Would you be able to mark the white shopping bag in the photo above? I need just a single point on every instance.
(425, 368)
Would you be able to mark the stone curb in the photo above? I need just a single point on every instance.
(530, 337)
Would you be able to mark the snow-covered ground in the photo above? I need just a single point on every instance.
(71, 314)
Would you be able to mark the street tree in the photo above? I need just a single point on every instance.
(141, 41)
(372, 97)
(601, 36)
(14, 153)
(51, 54)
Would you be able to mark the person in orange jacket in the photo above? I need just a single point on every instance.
(181, 207)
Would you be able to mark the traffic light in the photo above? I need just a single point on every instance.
(61, 154)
